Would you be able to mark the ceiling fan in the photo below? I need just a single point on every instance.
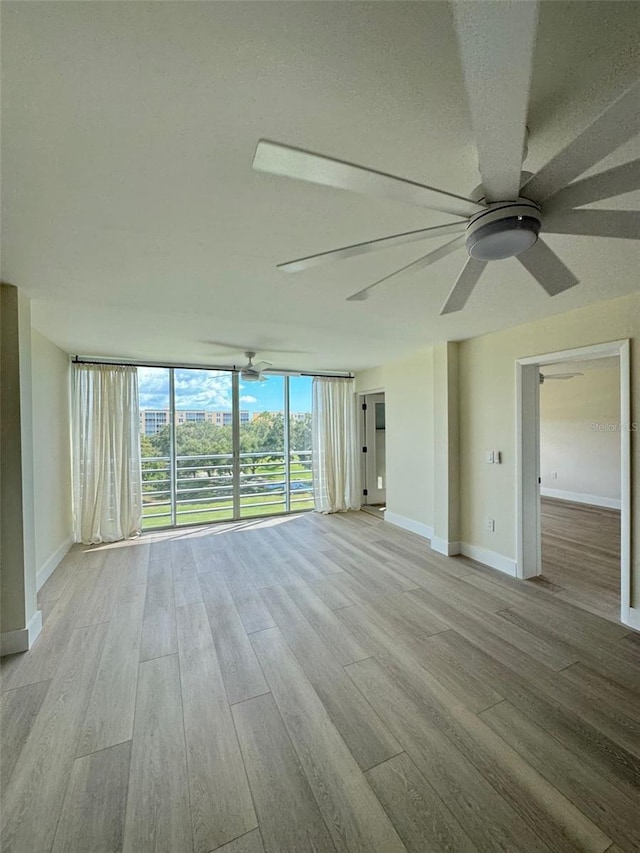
(496, 42)
(253, 372)
(224, 347)
(544, 377)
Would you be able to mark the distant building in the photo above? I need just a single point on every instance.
(294, 416)
(153, 420)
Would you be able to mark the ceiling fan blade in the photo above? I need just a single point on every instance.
(372, 246)
(465, 283)
(424, 261)
(496, 42)
(613, 182)
(595, 223)
(302, 165)
(262, 365)
(547, 268)
(230, 348)
(618, 123)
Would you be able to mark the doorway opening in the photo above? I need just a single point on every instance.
(573, 476)
(580, 482)
(373, 433)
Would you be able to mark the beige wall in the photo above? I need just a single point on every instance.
(17, 553)
(579, 436)
(408, 387)
(51, 451)
(488, 411)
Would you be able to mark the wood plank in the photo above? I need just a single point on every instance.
(241, 671)
(158, 816)
(616, 815)
(183, 572)
(41, 662)
(550, 815)
(554, 655)
(368, 739)
(137, 563)
(352, 813)
(468, 794)
(251, 608)
(92, 817)
(159, 624)
(338, 639)
(63, 574)
(100, 599)
(109, 718)
(289, 818)
(618, 698)
(18, 711)
(221, 805)
(566, 724)
(417, 660)
(422, 819)
(34, 798)
(333, 597)
(249, 843)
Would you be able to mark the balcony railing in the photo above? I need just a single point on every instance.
(204, 487)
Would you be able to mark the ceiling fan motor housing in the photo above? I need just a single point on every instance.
(503, 230)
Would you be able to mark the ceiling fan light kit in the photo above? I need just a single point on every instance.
(496, 43)
(504, 230)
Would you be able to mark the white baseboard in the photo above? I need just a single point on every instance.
(442, 546)
(51, 564)
(579, 498)
(632, 618)
(12, 642)
(489, 558)
(408, 524)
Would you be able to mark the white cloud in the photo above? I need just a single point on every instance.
(247, 398)
(195, 389)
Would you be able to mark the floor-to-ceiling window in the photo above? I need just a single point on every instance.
(217, 448)
(300, 473)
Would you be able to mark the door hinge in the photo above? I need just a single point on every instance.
(364, 449)
(539, 480)
(365, 492)
(364, 407)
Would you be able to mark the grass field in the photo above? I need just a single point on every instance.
(198, 513)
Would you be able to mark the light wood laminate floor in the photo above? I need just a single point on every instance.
(315, 683)
(581, 555)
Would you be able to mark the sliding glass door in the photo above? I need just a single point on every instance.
(216, 448)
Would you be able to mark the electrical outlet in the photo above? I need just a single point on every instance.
(491, 525)
(554, 475)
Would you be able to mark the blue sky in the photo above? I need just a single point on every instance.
(211, 390)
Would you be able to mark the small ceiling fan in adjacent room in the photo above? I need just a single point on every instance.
(512, 208)
(544, 377)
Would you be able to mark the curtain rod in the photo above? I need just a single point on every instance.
(230, 368)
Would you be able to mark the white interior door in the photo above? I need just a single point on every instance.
(375, 455)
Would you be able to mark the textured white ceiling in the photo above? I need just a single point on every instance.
(134, 220)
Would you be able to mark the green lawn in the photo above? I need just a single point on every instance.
(189, 512)
(198, 512)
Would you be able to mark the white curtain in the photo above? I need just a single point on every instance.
(335, 474)
(107, 478)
